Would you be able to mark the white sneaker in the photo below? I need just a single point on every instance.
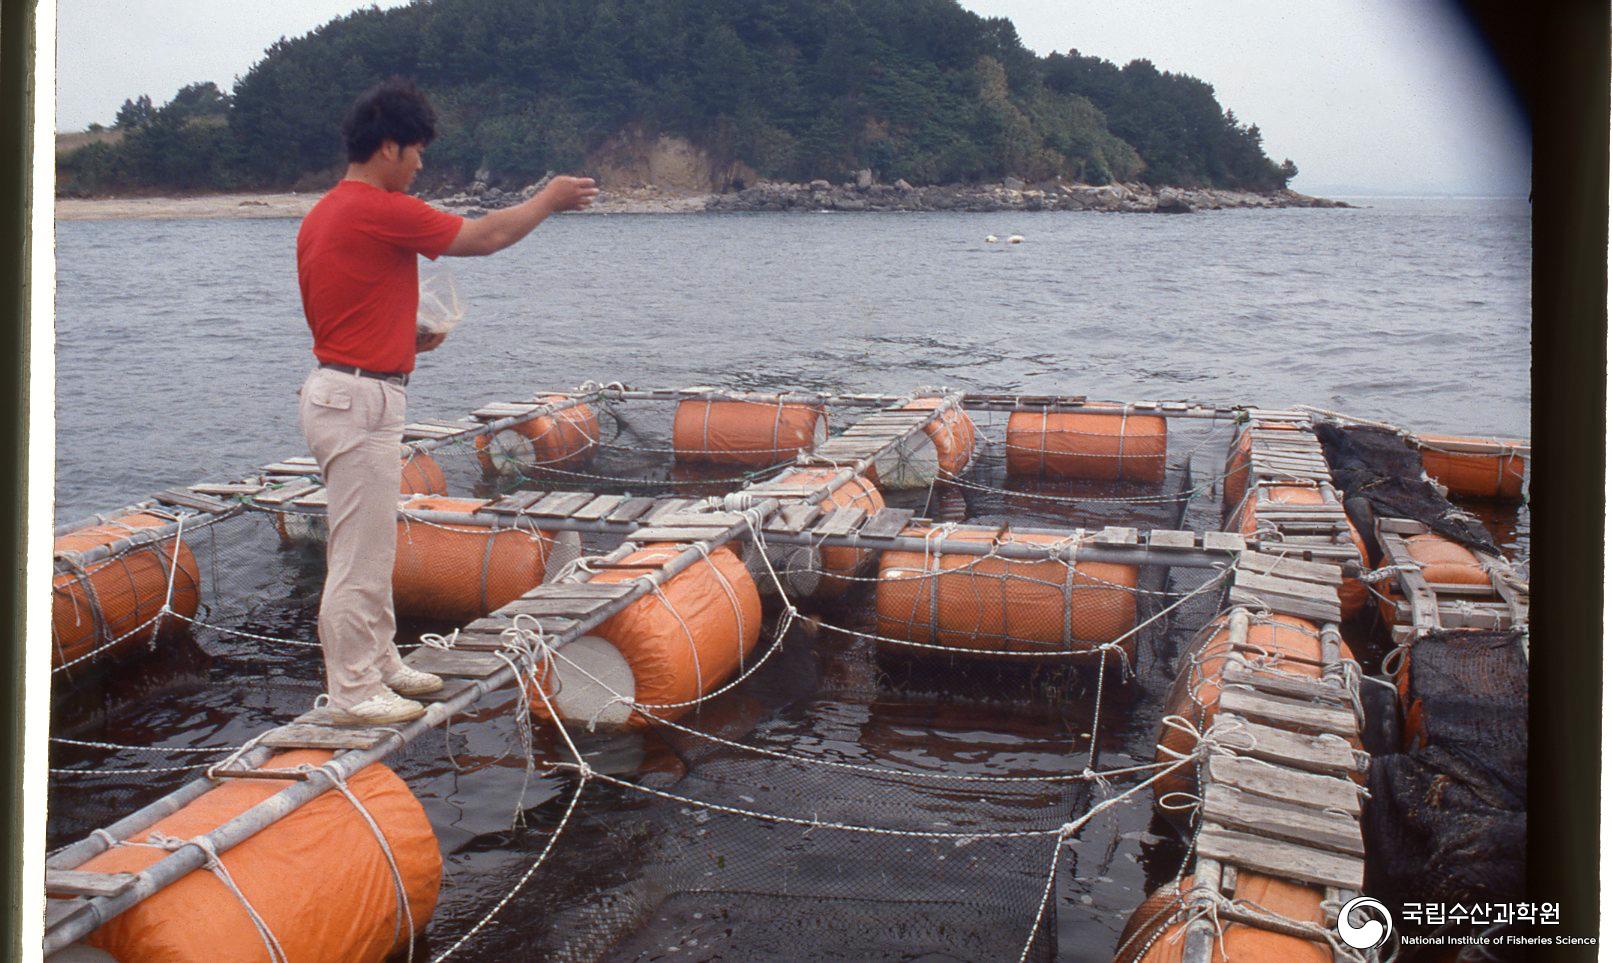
(388, 708)
(413, 682)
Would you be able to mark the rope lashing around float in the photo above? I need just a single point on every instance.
(215, 865)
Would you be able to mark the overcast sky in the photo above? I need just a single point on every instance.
(1382, 96)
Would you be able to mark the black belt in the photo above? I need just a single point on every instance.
(399, 378)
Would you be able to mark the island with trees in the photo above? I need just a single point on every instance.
(767, 104)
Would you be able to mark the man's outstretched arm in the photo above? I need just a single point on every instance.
(500, 229)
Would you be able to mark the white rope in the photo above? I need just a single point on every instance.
(215, 865)
(404, 914)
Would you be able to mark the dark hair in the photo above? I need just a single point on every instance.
(392, 110)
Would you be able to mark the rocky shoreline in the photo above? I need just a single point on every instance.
(865, 194)
(1010, 195)
(861, 195)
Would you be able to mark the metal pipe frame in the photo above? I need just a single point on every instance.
(89, 915)
(971, 401)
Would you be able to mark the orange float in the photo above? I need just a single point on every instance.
(992, 604)
(565, 439)
(1153, 933)
(421, 476)
(1496, 473)
(753, 433)
(664, 650)
(944, 450)
(1094, 446)
(318, 878)
(1352, 594)
(826, 573)
(1238, 460)
(1282, 642)
(114, 597)
(456, 573)
(1442, 561)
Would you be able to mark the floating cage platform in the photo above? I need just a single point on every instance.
(651, 589)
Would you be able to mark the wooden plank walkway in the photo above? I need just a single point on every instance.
(566, 609)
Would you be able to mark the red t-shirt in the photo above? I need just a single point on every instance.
(357, 266)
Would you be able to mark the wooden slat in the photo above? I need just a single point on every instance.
(1115, 535)
(1280, 859)
(630, 509)
(598, 508)
(512, 504)
(572, 608)
(885, 523)
(842, 522)
(1290, 714)
(1290, 568)
(1303, 788)
(301, 735)
(289, 468)
(560, 504)
(285, 493)
(579, 590)
(1224, 542)
(1423, 603)
(468, 665)
(72, 882)
(670, 506)
(189, 499)
(1311, 753)
(318, 498)
(1166, 538)
(793, 518)
(451, 686)
(1303, 608)
(1270, 819)
(1275, 585)
(226, 488)
(1286, 684)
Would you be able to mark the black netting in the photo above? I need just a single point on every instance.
(1447, 817)
(1381, 477)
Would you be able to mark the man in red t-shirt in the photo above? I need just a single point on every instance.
(357, 265)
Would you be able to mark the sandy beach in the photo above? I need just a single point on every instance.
(241, 206)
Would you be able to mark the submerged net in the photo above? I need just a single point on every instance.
(850, 795)
(1447, 818)
(1381, 476)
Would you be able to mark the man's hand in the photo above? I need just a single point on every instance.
(500, 229)
(568, 193)
(426, 341)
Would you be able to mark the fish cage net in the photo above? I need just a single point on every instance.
(859, 788)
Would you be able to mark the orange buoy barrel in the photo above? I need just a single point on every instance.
(944, 449)
(665, 650)
(1281, 642)
(114, 599)
(992, 604)
(826, 573)
(318, 879)
(421, 476)
(456, 573)
(1154, 932)
(1353, 596)
(751, 433)
(1475, 467)
(1443, 562)
(565, 439)
(1238, 461)
(1087, 445)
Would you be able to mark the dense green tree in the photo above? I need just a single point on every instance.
(920, 89)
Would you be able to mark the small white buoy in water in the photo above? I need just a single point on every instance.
(1016, 239)
(990, 239)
